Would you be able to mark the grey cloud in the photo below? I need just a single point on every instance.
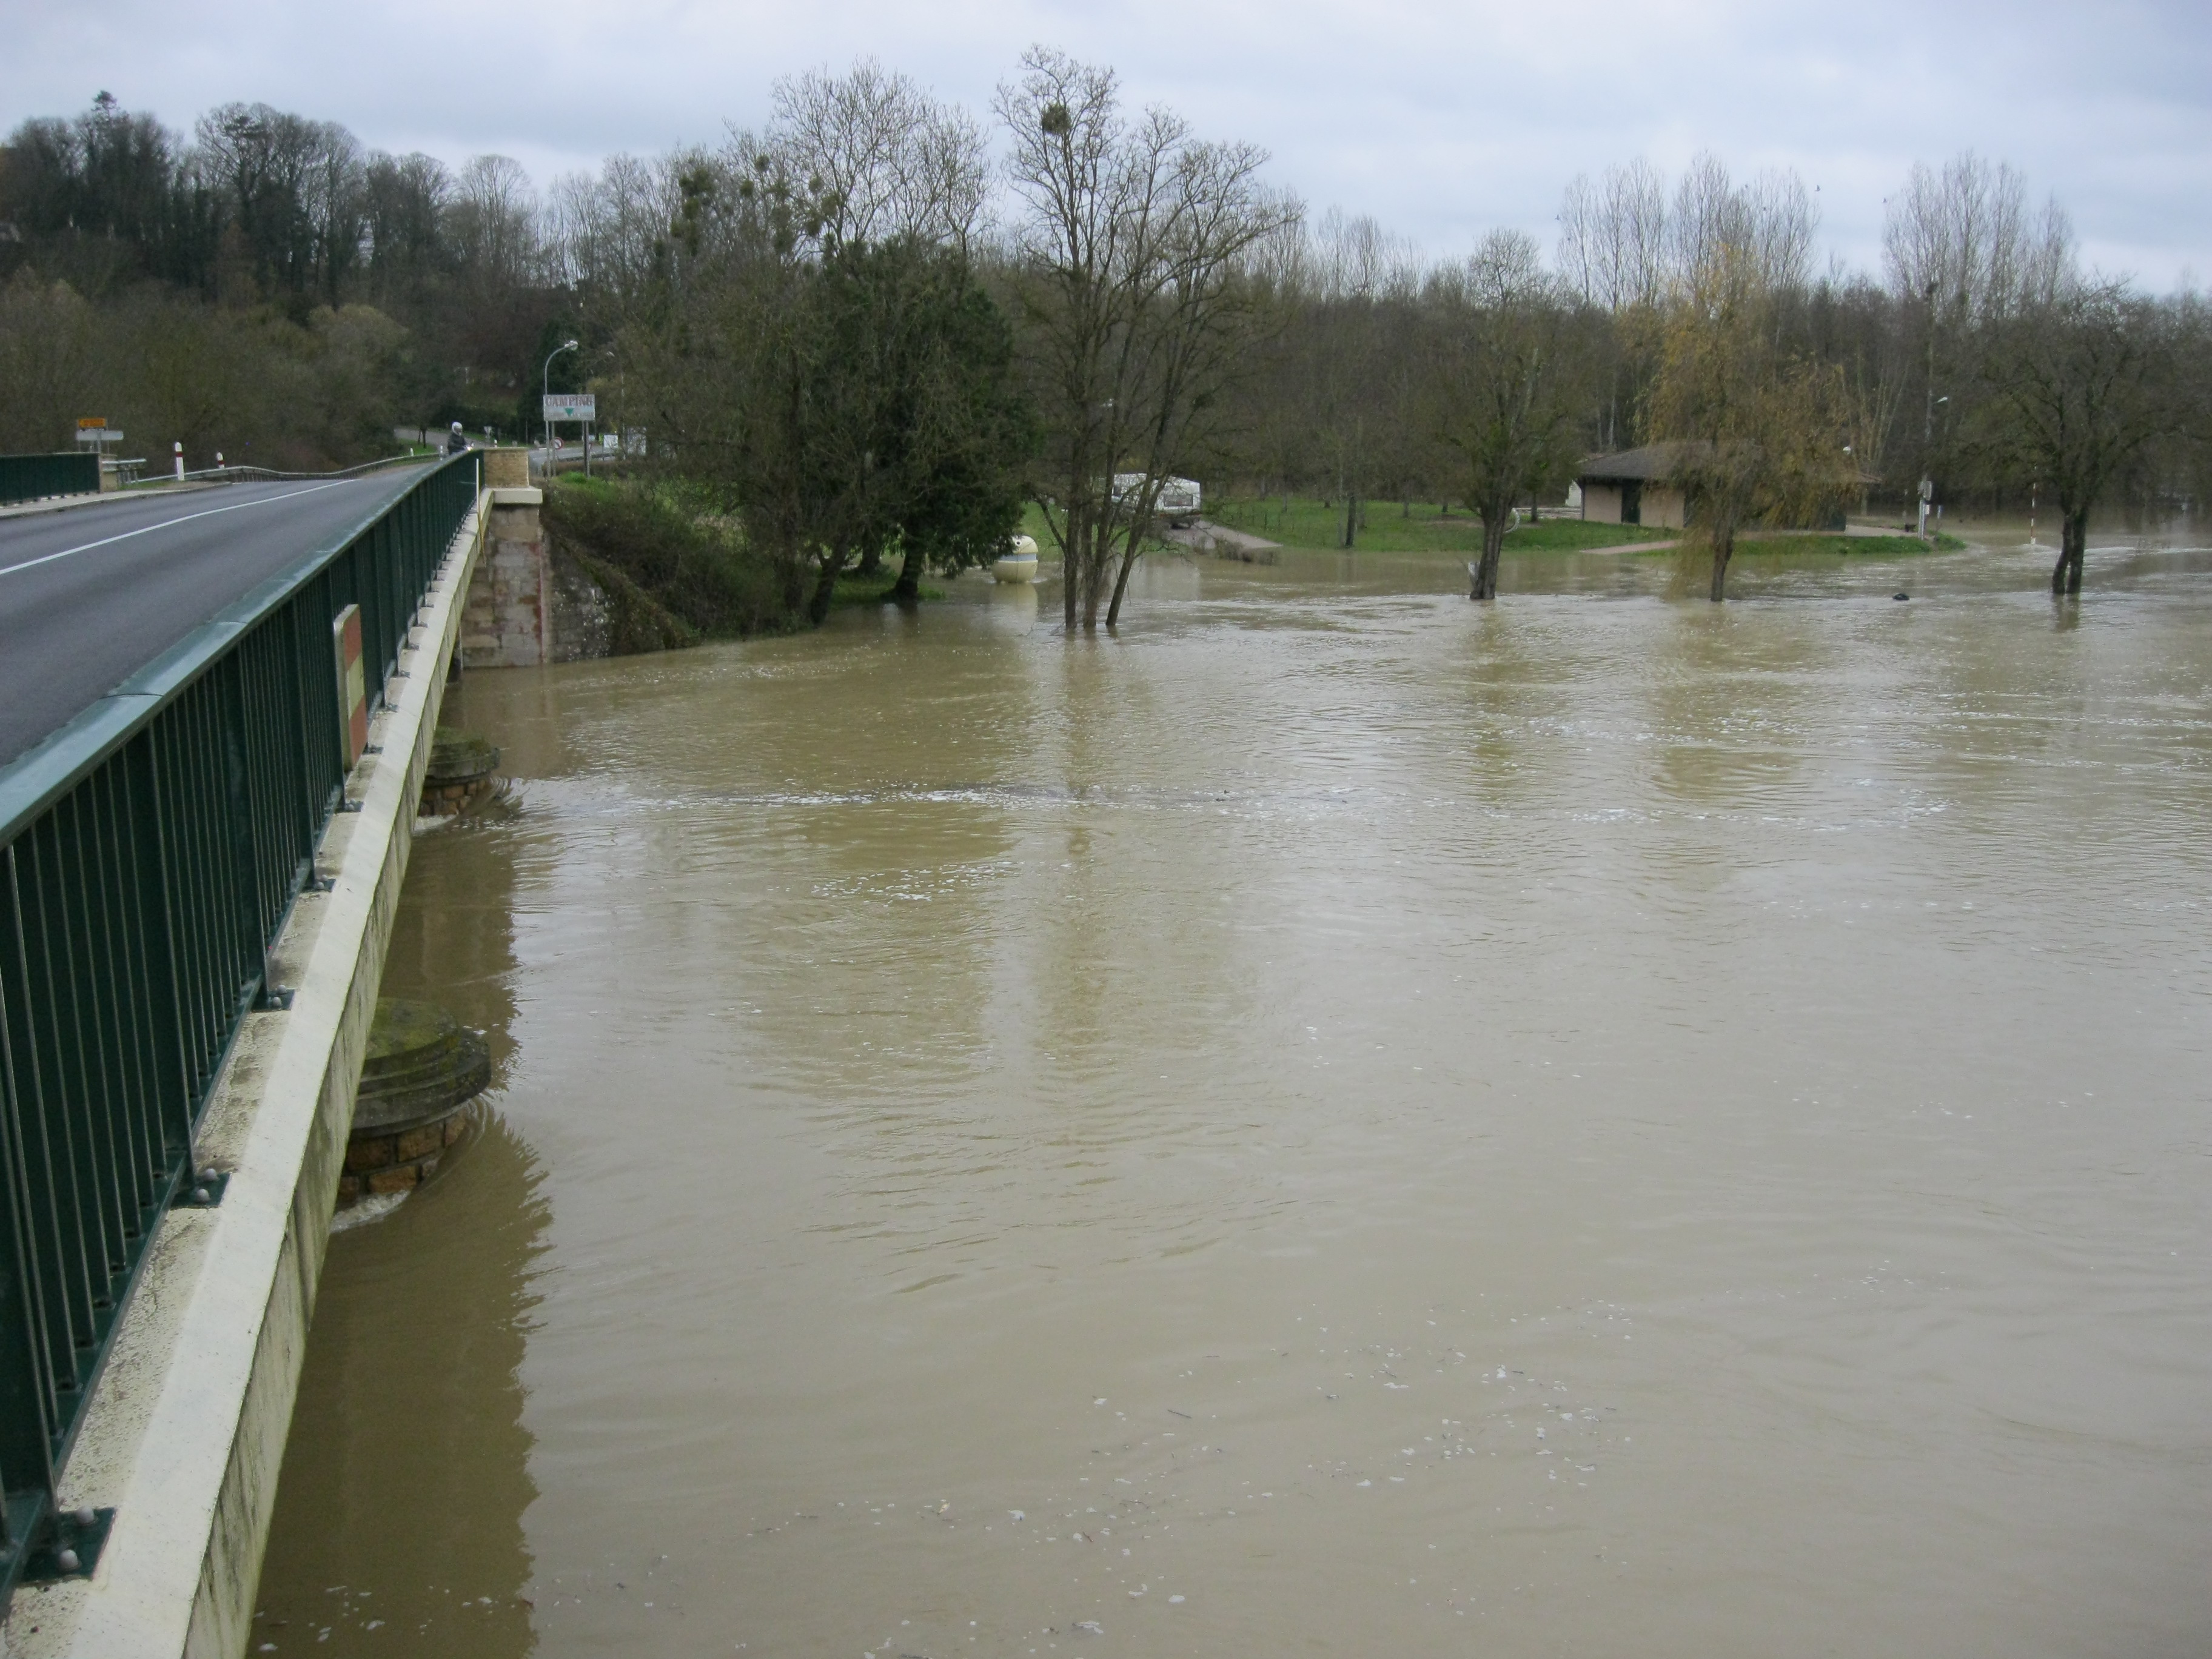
(1440, 119)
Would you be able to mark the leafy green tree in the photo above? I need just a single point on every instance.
(908, 437)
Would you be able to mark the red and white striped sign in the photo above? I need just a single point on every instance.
(353, 682)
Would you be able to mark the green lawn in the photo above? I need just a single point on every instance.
(1033, 526)
(1391, 529)
(1830, 547)
(854, 589)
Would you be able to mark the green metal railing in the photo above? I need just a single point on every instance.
(150, 853)
(27, 477)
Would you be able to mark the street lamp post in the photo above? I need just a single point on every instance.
(545, 390)
(1927, 489)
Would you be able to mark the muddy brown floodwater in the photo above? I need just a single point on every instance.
(1340, 1121)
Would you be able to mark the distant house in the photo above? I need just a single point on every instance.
(1631, 487)
(1634, 487)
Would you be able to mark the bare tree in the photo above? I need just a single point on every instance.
(886, 159)
(1965, 238)
(1614, 251)
(1126, 268)
(293, 188)
(2085, 383)
(494, 222)
(613, 234)
(1508, 385)
(1612, 242)
(404, 202)
(1963, 251)
(1768, 221)
(1361, 284)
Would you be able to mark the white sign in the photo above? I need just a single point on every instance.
(571, 406)
(99, 435)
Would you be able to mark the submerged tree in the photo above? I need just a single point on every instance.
(1757, 432)
(914, 441)
(846, 399)
(1125, 269)
(1510, 385)
(2084, 386)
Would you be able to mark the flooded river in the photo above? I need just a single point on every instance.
(1340, 1121)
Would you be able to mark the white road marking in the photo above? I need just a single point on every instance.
(236, 506)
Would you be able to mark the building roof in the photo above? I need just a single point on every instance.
(1652, 461)
(1659, 461)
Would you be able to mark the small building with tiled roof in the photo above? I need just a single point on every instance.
(1633, 486)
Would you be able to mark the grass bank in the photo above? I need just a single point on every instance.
(673, 573)
(1315, 526)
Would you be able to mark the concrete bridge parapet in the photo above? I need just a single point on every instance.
(184, 1432)
(507, 621)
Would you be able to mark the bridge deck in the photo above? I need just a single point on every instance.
(89, 596)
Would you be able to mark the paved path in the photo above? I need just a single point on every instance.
(90, 596)
(1207, 537)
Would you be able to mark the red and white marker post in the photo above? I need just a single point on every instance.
(353, 682)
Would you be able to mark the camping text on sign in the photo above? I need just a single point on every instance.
(572, 406)
(353, 682)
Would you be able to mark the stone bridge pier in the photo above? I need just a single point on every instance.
(526, 605)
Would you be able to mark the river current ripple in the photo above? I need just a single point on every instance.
(1339, 1120)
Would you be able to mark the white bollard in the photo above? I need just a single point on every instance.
(179, 449)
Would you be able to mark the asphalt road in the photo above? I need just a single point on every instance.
(90, 596)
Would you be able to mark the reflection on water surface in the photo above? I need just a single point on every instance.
(1339, 1121)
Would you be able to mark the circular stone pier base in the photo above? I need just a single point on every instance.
(459, 775)
(422, 1070)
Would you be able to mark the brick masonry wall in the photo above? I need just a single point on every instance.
(396, 1161)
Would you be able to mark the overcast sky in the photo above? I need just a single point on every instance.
(1441, 119)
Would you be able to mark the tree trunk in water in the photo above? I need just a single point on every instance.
(1071, 565)
(1122, 582)
(2073, 550)
(1484, 585)
(1351, 519)
(908, 589)
(1723, 550)
(825, 587)
(1094, 576)
(794, 584)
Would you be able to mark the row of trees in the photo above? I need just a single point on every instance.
(872, 329)
(1982, 359)
(1170, 312)
(283, 256)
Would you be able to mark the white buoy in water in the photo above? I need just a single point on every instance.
(1019, 563)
